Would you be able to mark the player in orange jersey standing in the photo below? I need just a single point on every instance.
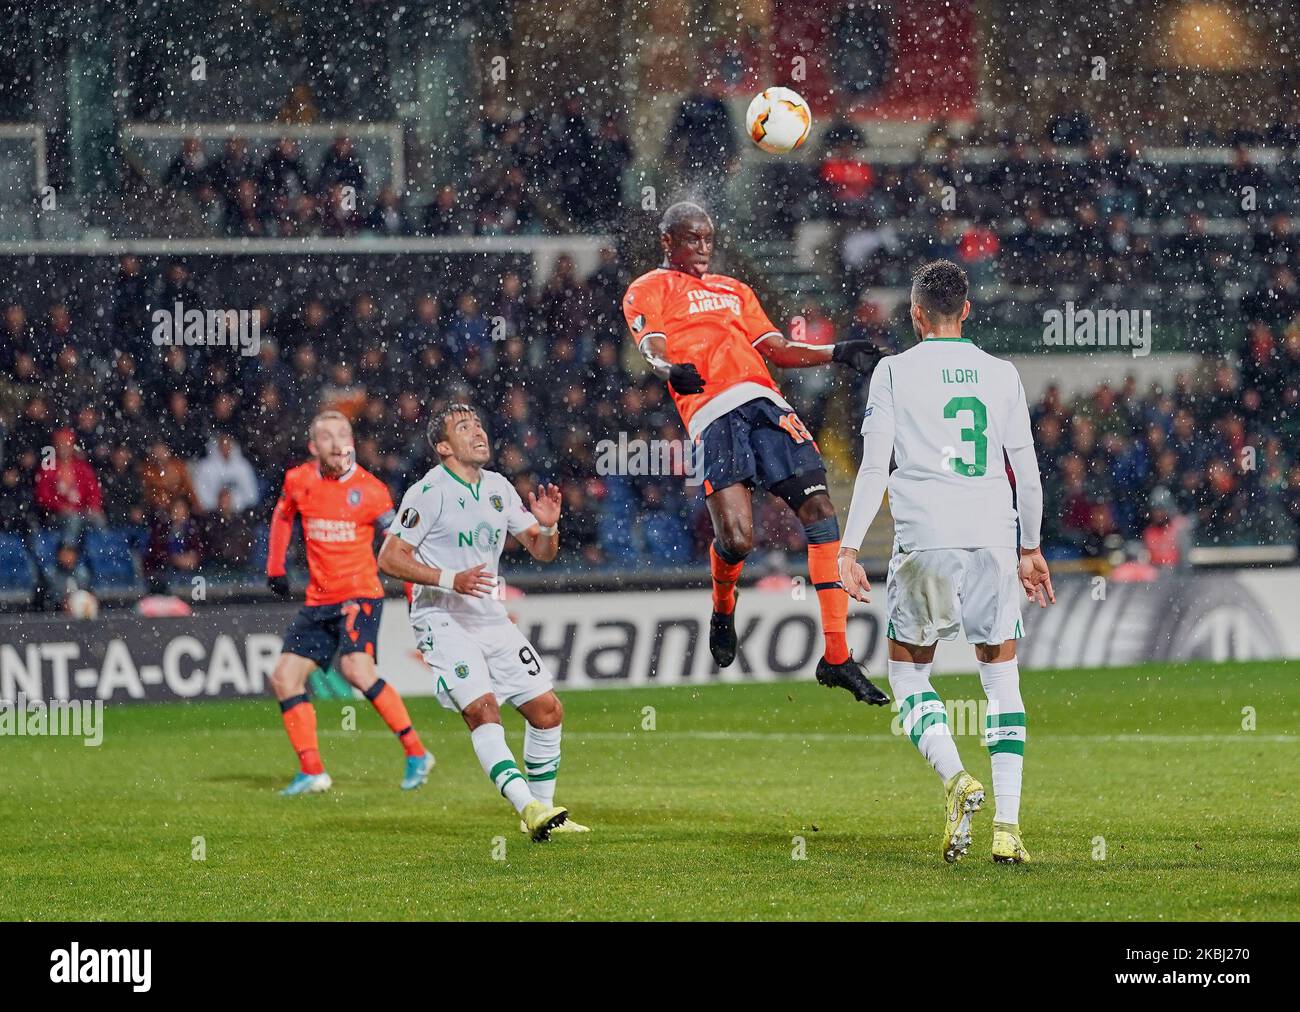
(340, 504)
(707, 335)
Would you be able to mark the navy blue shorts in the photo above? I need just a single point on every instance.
(758, 443)
(318, 632)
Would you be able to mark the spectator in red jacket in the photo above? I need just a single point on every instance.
(1168, 536)
(847, 181)
(67, 490)
(977, 251)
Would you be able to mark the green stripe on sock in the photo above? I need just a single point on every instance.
(501, 767)
(925, 723)
(1004, 720)
(514, 775)
(1007, 745)
(911, 702)
(544, 762)
(534, 777)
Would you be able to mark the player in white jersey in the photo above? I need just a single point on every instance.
(447, 542)
(948, 413)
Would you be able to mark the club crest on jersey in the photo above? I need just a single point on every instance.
(354, 497)
(497, 502)
(462, 670)
(410, 517)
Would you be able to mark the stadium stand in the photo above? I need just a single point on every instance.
(1062, 215)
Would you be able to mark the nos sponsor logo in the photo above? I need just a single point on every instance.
(483, 537)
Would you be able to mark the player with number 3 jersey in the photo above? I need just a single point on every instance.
(955, 421)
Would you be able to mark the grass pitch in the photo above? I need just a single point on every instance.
(1144, 799)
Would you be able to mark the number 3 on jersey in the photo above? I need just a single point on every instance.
(973, 434)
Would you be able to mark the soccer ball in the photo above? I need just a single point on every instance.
(778, 120)
(82, 604)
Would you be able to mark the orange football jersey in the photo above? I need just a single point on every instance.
(714, 323)
(338, 528)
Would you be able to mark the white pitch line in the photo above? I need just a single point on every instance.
(1245, 737)
(832, 737)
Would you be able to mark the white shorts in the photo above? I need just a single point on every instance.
(467, 663)
(930, 593)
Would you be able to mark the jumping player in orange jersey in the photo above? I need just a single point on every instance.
(340, 504)
(707, 335)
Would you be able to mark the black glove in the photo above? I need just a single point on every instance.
(685, 378)
(859, 355)
(279, 586)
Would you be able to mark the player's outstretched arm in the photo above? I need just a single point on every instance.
(861, 356)
(786, 354)
(397, 559)
(543, 539)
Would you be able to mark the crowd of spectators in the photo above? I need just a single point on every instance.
(528, 174)
(1099, 214)
(281, 196)
(1163, 468)
(1066, 203)
(184, 448)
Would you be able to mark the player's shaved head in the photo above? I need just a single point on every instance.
(940, 288)
(682, 213)
(686, 235)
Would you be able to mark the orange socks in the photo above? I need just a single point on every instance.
(300, 721)
(393, 710)
(824, 568)
(725, 575)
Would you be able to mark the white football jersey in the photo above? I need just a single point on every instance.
(951, 410)
(454, 525)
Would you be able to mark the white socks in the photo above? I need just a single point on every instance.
(923, 717)
(1004, 736)
(542, 760)
(499, 764)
